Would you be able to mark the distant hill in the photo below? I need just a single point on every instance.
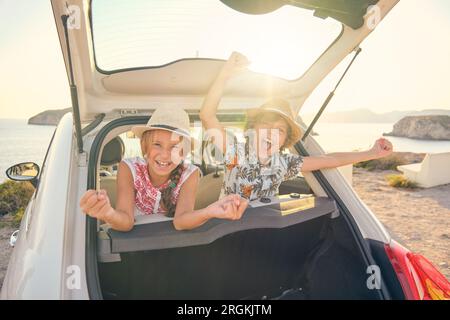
(49, 117)
(368, 116)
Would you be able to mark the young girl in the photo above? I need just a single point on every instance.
(256, 168)
(161, 182)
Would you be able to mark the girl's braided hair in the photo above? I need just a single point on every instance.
(166, 193)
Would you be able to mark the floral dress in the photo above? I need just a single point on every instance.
(147, 196)
(247, 176)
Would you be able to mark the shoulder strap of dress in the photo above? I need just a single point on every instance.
(188, 170)
(131, 162)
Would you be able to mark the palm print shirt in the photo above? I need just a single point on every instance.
(247, 176)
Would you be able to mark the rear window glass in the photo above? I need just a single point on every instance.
(150, 33)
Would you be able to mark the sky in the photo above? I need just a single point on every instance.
(404, 65)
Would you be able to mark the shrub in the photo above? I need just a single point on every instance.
(14, 196)
(399, 181)
(388, 163)
(18, 217)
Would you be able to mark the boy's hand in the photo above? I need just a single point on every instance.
(381, 148)
(236, 63)
(96, 204)
(231, 207)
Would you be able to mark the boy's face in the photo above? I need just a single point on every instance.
(164, 151)
(271, 134)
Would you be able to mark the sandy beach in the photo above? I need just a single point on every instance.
(420, 218)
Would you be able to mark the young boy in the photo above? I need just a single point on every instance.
(256, 168)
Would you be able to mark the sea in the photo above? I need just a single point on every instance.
(20, 142)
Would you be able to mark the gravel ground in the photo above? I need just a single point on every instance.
(419, 217)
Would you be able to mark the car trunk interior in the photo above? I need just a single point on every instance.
(307, 254)
(317, 259)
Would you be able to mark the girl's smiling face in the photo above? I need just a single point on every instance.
(164, 151)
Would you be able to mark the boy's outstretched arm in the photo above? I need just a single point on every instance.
(381, 148)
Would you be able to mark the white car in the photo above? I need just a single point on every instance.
(317, 240)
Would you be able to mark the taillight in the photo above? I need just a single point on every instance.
(418, 277)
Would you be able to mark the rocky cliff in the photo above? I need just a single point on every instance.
(423, 127)
(48, 117)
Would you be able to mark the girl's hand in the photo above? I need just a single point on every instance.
(381, 148)
(231, 207)
(236, 63)
(96, 204)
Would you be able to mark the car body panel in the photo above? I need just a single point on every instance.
(35, 270)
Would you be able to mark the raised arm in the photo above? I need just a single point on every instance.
(235, 64)
(381, 148)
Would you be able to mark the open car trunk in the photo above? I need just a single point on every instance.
(306, 254)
